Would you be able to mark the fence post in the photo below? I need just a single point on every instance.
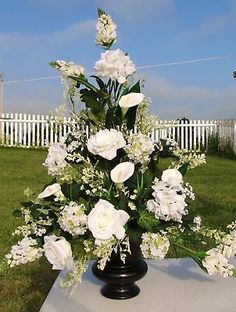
(234, 135)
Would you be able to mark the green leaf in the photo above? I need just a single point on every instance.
(190, 238)
(198, 261)
(109, 44)
(123, 201)
(43, 211)
(91, 99)
(53, 64)
(100, 12)
(81, 79)
(131, 117)
(135, 88)
(17, 213)
(131, 113)
(71, 191)
(26, 204)
(100, 82)
(183, 169)
(147, 220)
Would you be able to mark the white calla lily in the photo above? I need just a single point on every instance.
(131, 99)
(122, 172)
(54, 189)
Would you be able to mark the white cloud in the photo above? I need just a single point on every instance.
(174, 101)
(73, 32)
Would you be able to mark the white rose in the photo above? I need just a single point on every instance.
(105, 143)
(131, 99)
(54, 189)
(172, 177)
(58, 251)
(104, 221)
(122, 172)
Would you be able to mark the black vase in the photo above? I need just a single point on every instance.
(120, 277)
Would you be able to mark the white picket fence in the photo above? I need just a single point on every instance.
(40, 131)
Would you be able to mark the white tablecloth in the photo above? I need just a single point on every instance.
(171, 285)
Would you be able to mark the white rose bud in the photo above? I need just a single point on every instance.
(104, 221)
(122, 172)
(172, 177)
(54, 189)
(105, 143)
(58, 251)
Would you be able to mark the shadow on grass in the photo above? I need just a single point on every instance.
(214, 214)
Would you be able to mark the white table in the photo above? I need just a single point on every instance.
(171, 285)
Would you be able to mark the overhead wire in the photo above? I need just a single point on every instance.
(206, 59)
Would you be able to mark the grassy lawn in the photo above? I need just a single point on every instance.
(25, 288)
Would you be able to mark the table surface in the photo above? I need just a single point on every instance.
(171, 285)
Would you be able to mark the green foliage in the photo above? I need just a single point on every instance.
(147, 221)
(220, 146)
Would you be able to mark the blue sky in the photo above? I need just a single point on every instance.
(33, 33)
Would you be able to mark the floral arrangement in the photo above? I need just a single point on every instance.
(107, 186)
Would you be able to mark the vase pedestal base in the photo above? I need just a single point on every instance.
(126, 292)
(120, 279)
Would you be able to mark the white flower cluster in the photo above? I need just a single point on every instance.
(197, 221)
(139, 148)
(146, 122)
(232, 226)
(193, 159)
(75, 140)
(228, 244)
(31, 226)
(29, 229)
(169, 202)
(24, 251)
(73, 219)
(172, 144)
(154, 246)
(106, 30)
(116, 65)
(73, 273)
(187, 189)
(93, 181)
(55, 161)
(69, 68)
(216, 262)
(104, 250)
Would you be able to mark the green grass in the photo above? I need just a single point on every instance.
(22, 288)
(25, 288)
